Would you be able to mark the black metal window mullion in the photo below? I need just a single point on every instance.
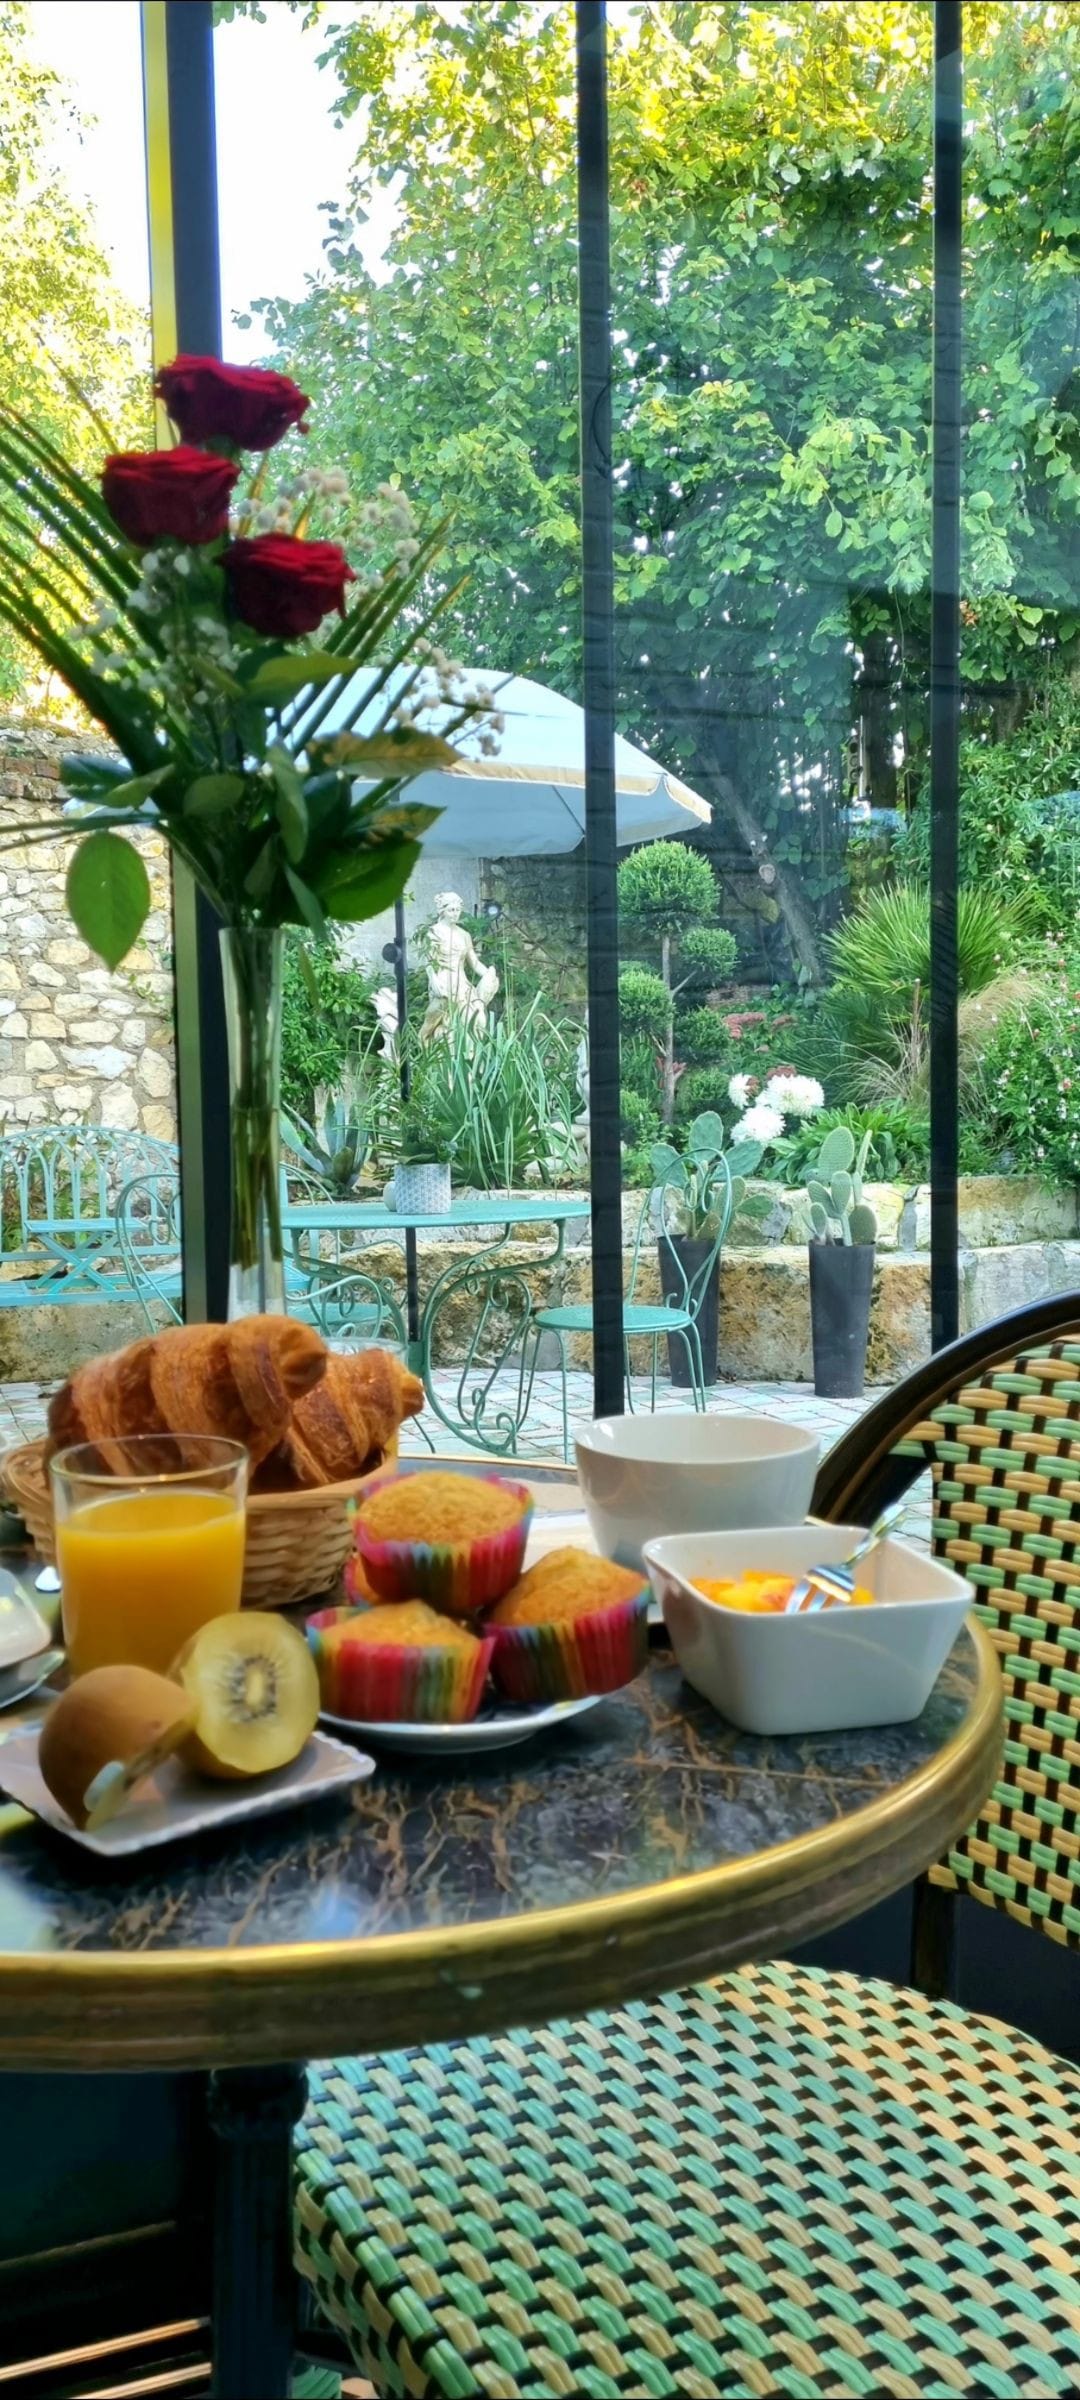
(598, 619)
(201, 1053)
(945, 673)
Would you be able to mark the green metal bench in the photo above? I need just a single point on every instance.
(60, 1191)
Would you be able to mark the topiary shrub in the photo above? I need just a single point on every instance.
(669, 893)
(644, 1004)
(702, 1038)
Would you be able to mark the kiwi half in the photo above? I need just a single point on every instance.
(109, 1730)
(255, 1690)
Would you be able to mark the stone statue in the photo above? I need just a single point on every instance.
(459, 984)
(384, 1003)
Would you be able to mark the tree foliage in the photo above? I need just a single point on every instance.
(71, 347)
(772, 264)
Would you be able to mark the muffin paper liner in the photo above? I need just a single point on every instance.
(390, 1683)
(458, 1577)
(593, 1653)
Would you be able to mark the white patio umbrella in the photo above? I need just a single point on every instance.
(526, 802)
(529, 800)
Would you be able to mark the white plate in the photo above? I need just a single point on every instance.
(23, 1631)
(493, 1729)
(174, 1802)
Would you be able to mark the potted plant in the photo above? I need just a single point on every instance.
(695, 1197)
(421, 1180)
(843, 1232)
(184, 598)
(334, 1148)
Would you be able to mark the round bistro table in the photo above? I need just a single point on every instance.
(643, 1845)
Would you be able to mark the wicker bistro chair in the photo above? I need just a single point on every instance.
(785, 2181)
(680, 1309)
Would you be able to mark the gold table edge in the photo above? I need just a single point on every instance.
(45, 1999)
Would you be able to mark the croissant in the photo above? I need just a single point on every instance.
(347, 1421)
(239, 1380)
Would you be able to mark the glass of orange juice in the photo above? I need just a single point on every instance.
(149, 1544)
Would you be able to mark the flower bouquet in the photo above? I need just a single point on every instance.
(185, 605)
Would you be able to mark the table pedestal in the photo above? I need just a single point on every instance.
(252, 2113)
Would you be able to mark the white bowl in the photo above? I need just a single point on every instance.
(642, 1477)
(869, 1665)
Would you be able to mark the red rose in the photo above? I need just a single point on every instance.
(182, 494)
(281, 586)
(250, 407)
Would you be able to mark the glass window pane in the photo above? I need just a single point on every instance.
(86, 1055)
(1020, 798)
(772, 282)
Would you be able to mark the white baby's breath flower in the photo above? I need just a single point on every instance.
(796, 1095)
(760, 1124)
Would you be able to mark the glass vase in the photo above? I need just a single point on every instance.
(251, 964)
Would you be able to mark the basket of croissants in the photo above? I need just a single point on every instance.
(316, 1425)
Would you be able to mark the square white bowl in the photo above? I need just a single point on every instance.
(823, 1673)
(685, 1472)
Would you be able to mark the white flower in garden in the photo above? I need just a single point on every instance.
(796, 1095)
(739, 1090)
(760, 1124)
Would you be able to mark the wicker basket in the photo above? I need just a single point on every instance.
(297, 1542)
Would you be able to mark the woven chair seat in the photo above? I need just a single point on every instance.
(785, 2182)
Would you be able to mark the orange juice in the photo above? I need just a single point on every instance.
(142, 1571)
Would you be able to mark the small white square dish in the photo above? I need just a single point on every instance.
(174, 1802)
(826, 1672)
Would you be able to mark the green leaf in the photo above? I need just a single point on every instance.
(412, 821)
(313, 914)
(290, 805)
(834, 523)
(307, 973)
(137, 788)
(209, 794)
(403, 753)
(272, 679)
(744, 1158)
(88, 778)
(667, 1166)
(363, 886)
(259, 880)
(706, 1136)
(108, 893)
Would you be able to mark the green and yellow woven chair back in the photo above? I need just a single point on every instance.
(1004, 1453)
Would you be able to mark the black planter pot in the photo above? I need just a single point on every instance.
(841, 1283)
(691, 1251)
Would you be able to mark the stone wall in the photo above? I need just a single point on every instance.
(78, 1045)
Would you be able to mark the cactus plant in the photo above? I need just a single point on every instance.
(694, 1187)
(834, 1188)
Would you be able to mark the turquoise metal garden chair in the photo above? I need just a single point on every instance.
(678, 1312)
(785, 2182)
(341, 1297)
(148, 1238)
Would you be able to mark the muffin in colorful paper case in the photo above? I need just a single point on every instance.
(457, 1541)
(398, 1663)
(575, 1624)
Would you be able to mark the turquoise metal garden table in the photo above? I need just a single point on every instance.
(638, 1848)
(498, 1284)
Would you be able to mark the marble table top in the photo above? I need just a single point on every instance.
(638, 1844)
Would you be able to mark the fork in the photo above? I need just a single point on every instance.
(830, 1587)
